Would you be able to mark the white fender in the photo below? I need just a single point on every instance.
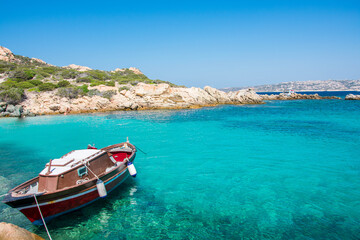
(132, 169)
(101, 188)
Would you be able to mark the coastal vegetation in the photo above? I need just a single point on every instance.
(26, 74)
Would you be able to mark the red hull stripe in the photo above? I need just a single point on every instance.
(73, 196)
(62, 206)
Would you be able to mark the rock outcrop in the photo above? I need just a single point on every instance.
(352, 97)
(78, 68)
(9, 110)
(133, 69)
(141, 96)
(40, 61)
(6, 55)
(12, 232)
(295, 96)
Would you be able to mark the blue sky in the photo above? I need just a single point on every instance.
(192, 43)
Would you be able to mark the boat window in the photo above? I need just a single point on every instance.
(82, 171)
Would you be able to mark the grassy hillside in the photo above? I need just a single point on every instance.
(29, 75)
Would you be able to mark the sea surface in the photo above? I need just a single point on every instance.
(281, 170)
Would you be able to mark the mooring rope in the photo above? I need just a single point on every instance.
(37, 204)
(3, 195)
(140, 150)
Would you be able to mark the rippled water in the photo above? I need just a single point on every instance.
(283, 170)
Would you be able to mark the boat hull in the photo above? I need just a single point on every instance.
(55, 208)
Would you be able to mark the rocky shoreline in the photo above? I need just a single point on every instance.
(140, 97)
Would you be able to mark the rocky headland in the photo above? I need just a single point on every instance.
(140, 97)
(30, 87)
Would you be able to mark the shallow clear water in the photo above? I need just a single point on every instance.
(283, 170)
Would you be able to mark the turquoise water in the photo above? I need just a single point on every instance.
(283, 170)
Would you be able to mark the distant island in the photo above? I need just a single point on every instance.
(305, 86)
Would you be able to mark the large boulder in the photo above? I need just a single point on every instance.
(220, 96)
(10, 231)
(245, 96)
(18, 109)
(352, 97)
(200, 96)
(10, 108)
(143, 89)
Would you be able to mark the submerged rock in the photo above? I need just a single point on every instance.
(12, 232)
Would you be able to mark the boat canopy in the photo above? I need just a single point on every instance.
(70, 160)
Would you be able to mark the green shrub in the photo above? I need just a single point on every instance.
(84, 79)
(98, 75)
(47, 87)
(25, 85)
(36, 82)
(97, 83)
(94, 92)
(35, 89)
(124, 88)
(134, 83)
(40, 74)
(63, 83)
(69, 73)
(6, 66)
(70, 92)
(110, 83)
(84, 88)
(12, 95)
(23, 74)
(7, 84)
(108, 94)
(49, 70)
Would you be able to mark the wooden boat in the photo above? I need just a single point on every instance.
(73, 181)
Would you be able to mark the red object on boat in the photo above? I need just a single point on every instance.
(70, 182)
(91, 147)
